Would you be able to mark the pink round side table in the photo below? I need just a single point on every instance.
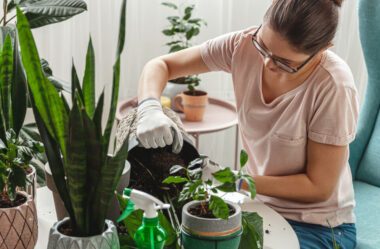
(219, 115)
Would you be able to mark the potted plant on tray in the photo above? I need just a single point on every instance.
(76, 146)
(18, 215)
(210, 222)
(182, 28)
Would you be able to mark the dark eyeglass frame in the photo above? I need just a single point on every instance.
(287, 68)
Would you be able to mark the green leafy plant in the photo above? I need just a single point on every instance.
(15, 158)
(76, 146)
(182, 28)
(13, 85)
(197, 189)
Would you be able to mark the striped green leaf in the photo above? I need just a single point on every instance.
(46, 98)
(99, 113)
(6, 76)
(76, 169)
(89, 81)
(75, 84)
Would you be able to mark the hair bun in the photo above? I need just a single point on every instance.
(338, 2)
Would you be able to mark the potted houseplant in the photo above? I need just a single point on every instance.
(18, 215)
(207, 220)
(182, 28)
(76, 146)
(13, 85)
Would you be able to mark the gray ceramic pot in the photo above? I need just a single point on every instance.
(107, 240)
(113, 211)
(210, 233)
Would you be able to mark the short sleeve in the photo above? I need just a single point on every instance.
(217, 53)
(335, 118)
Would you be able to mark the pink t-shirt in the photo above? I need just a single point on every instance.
(324, 109)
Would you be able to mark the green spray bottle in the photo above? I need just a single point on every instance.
(150, 235)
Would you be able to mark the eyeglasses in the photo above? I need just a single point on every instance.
(287, 68)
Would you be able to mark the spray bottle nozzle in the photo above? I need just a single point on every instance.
(141, 200)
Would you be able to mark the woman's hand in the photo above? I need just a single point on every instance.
(155, 129)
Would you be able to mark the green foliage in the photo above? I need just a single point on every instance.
(15, 156)
(44, 12)
(252, 237)
(204, 191)
(181, 29)
(76, 147)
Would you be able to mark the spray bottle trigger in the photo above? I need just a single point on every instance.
(128, 210)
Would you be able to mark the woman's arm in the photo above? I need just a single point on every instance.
(324, 166)
(159, 70)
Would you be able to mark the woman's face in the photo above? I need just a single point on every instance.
(280, 49)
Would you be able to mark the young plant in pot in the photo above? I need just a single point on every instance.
(181, 30)
(18, 215)
(76, 146)
(210, 222)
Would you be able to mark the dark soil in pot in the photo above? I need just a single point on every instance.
(5, 203)
(67, 230)
(195, 93)
(207, 213)
(151, 167)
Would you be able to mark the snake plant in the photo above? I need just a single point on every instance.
(76, 146)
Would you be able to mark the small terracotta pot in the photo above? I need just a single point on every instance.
(19, 225)
(193, 106)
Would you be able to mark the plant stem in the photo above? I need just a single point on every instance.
(5, 12)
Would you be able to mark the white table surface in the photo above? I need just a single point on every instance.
(280, 236)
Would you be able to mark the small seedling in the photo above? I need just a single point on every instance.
(205, 191)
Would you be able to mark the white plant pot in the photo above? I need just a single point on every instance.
(107, 240)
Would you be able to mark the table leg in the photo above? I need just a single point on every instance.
(236, 146)
(196, 136)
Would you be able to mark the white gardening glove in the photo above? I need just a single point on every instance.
(155, 129)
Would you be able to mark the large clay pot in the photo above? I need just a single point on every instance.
(211, 233)
(113, 211)
(193, 104)
(19, 225)
(107, 240)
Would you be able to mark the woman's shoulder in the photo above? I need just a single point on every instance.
(334, 73)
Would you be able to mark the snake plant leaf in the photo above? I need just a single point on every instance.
(105, 189)
(43, 12)
(121, 39)
(94, 153)
(6, 77)
(76, 170)
(55, 161)
(46, 98)
(65, 104)
(89, 81)
(116, 78)
(75, 85)
(99, 113)
(19, 94)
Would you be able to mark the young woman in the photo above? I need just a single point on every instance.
(297, 108)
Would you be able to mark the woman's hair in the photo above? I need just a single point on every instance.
(308, 25)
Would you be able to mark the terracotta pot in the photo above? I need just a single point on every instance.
(19, 225)
(107, 240)
(193, 106)
(113, 211)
